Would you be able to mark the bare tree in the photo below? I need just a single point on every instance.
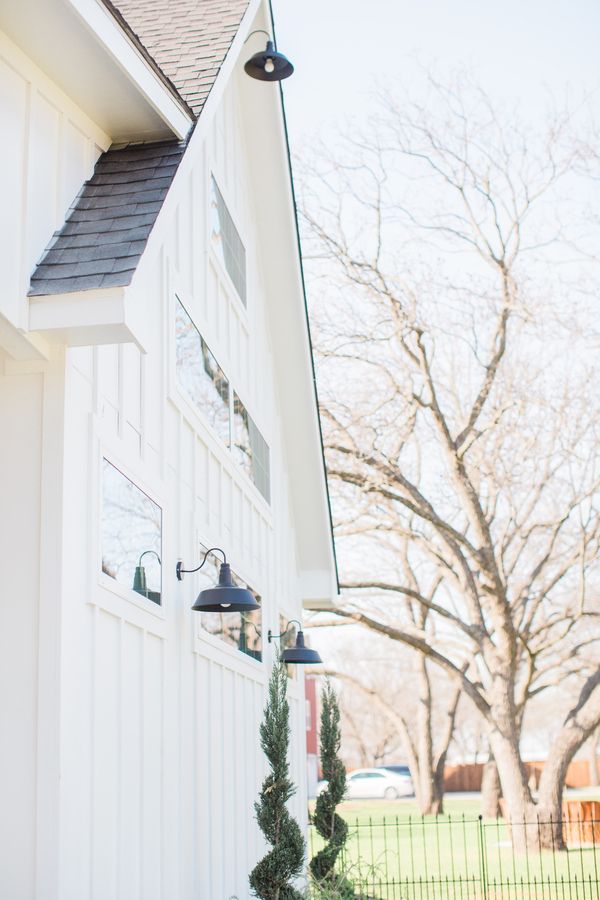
(460, 409)
(423, 728)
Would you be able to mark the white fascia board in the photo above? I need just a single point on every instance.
(282, 274)
(127, 57)
(318, 589)
(83, 318)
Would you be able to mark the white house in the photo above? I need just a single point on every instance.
(156, 394)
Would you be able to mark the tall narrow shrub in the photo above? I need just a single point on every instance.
(329, 825)
(270, 878)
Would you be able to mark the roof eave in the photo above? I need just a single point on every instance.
(129, 55)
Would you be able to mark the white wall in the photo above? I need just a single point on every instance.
(48, 149)
(130, 759)
(161, 773)
(20, 417)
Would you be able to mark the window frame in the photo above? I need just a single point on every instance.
(249, 475)
(213, 172)
(181, 395)
(103, 586)
(182, 390)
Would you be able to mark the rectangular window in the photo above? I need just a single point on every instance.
(240, 630)
(200, 375)
(226, 241)
(250, 448)
(131, 531)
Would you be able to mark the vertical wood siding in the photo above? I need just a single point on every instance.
(159, 803)
(48, 149)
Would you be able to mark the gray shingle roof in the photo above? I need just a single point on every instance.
(188, 39)
(110, 220)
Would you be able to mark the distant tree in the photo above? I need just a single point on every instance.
(328, 823)
(270, 878)
(424, 732)
(460, 407)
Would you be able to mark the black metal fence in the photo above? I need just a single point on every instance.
(446, 858)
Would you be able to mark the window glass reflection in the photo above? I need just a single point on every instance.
(250, 448)
(240, 630)
(226, 241)
(200, 375)
(131, 534)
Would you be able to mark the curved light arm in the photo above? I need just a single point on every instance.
(258, 31)
(274, 637)
(180, 571)
(144, 554)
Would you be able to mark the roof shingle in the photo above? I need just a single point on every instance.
(188, 39)
(109, 222)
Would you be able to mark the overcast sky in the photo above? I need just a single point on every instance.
(519, 49)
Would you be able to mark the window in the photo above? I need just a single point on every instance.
(240, 630)
(131, 532)
(250, 448)
(226, 241)
(200, 375)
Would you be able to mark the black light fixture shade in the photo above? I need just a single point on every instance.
(140, 584)
(269, 65)
(225, 596)
(300, 654)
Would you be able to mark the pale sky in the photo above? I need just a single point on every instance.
(518, 49)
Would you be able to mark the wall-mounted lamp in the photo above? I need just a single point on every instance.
(300, 654)
(140, 585)
(268, 64)
(223, 597)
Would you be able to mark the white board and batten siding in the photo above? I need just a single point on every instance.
(160, 760)
(48, 149)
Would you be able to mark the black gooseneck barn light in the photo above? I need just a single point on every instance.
(300, 654)
(140, 585)
(268, 64)
(225, 596)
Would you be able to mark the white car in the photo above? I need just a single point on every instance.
(376, 784)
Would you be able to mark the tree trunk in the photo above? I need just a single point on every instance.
(580, 723)
(490, 790)
(593, 758)
(519, 806)
(428, 802)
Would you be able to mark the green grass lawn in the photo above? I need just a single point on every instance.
(399, 854)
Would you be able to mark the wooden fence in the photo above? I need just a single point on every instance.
(468, 777)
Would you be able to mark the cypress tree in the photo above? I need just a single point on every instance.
(329, 825)
(270, 878)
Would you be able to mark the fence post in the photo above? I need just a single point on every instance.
(482, 859)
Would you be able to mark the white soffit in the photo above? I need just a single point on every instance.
(82, 48)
